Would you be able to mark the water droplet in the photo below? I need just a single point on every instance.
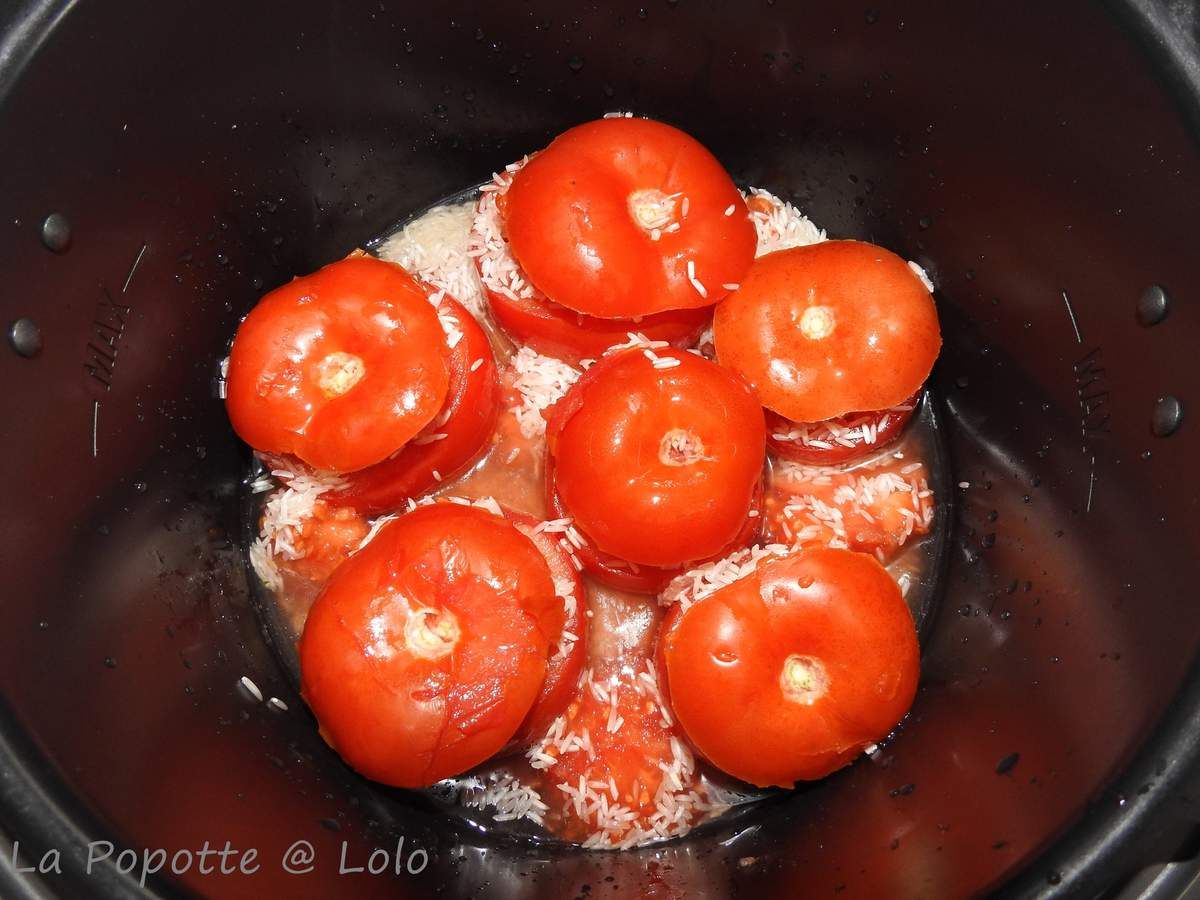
(1007, 764)
(25, 337)
(575, 62)
(56, 233)
(110, 662)
(1167, 416)
(924, 222)
(1153, 305)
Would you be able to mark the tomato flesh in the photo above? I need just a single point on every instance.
(323, 542)
(451, 441)
(606, 762)
(427, 649)
(339, 368)
(657, 463)
(789, 672)
(874, 508)
(598, 220)
(830, 328)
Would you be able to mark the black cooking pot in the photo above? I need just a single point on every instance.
(162, 164)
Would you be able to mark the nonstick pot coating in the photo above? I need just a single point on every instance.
(199, 154)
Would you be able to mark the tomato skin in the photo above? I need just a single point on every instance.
(835, 606)
(829, 328)
(358, 309)
(571, 228)
(889, 425)
(467, 419)
(562, 670)
(554, 330)
(393, 712)
(617, 573)
(605, 449)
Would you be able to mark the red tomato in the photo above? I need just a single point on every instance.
(530, 318)
(340, 368)
(427, 648)
(605, 763)
(323, 541)
(837, 440)
(569, 651)
(828, 329)
(623, 217)
(466, 421)
(874, 508)
(789, 672)
(629, 576)
(657, 465)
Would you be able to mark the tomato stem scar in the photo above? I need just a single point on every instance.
(338, 372)
(803, 679)
(651, 209)
(817, 322)
(680, 447)
(431, 633)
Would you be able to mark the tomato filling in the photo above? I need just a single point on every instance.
(837, 440)
(875, 508)
(613, 769)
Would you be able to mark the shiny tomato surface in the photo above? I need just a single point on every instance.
(624, 217)
(658, 463)
(789, 672)
(828, 329)
(427, 649)
(448, 444)
(339, 368)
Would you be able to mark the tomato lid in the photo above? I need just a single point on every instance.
(828, 329)
(625, 217)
